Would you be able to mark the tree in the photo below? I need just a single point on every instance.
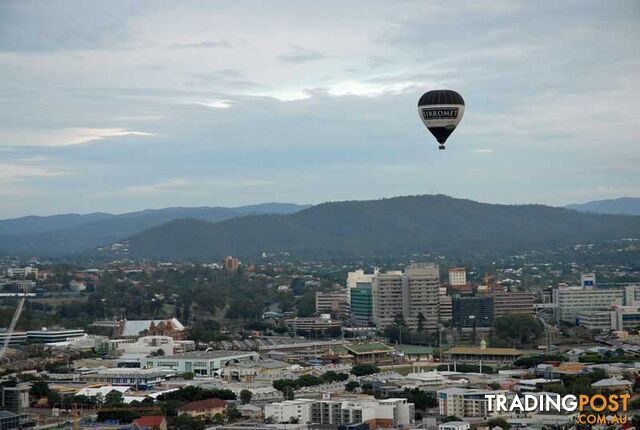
(332, 376)
(186, 422)
(421, 399)
(421, 320)
(289, 393)
(519, 329)
(500, 422)
(307, 304)
(232, 413)
(245, 396)
(365, 369)
(352, 386)
(450, 418)
(39, 389)
(114, 399)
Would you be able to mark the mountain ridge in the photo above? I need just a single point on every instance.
(383, 227)
(618, 206)
(59, 235)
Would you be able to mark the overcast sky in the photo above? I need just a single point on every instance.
(119, 106)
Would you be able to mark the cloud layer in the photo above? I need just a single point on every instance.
(118, 106)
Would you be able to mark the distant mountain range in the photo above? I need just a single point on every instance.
(387, 227)
(396, 226)
(69, 234)
(621, 206)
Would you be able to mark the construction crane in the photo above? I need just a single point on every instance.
(12, 326)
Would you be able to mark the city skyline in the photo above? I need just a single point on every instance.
(122, 107)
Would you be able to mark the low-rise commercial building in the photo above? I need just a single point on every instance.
(312, 325)
(203, 408)
(202, 363)
(484, 354)
(46, 336)
(370, 353)
(142, 379)
(335, 303)
(454, 425)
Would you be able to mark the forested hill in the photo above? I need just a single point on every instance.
(386, 227)
(68, 234)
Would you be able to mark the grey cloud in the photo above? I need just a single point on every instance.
(222, 43)
(528, 73)
(301, 55)
(35, 26)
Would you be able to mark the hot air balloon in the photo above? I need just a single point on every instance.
(441, 112)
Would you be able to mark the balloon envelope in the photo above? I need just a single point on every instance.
(441, 112)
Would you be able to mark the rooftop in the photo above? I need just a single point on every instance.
(612, 382)
(206, 355)
(416, 349)
(149, 421)
(476, 350)
(203, 404)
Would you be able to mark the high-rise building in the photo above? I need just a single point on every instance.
(412, 295)
(362, 303)
(358, 276)
(457, 276)
(512, 303)
(387, 298)
(473, 311)
(422, 293)
(14, 398)
(446, 308)
(231, 264)
(335, 303)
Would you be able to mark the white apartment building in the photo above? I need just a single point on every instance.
(22, 272)
(618, 318)
(388, 413)
(466, 403)
(457, 276)
(632, 295)
(284, 412)
(570, 301)
(414, 292)
(594, 320)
